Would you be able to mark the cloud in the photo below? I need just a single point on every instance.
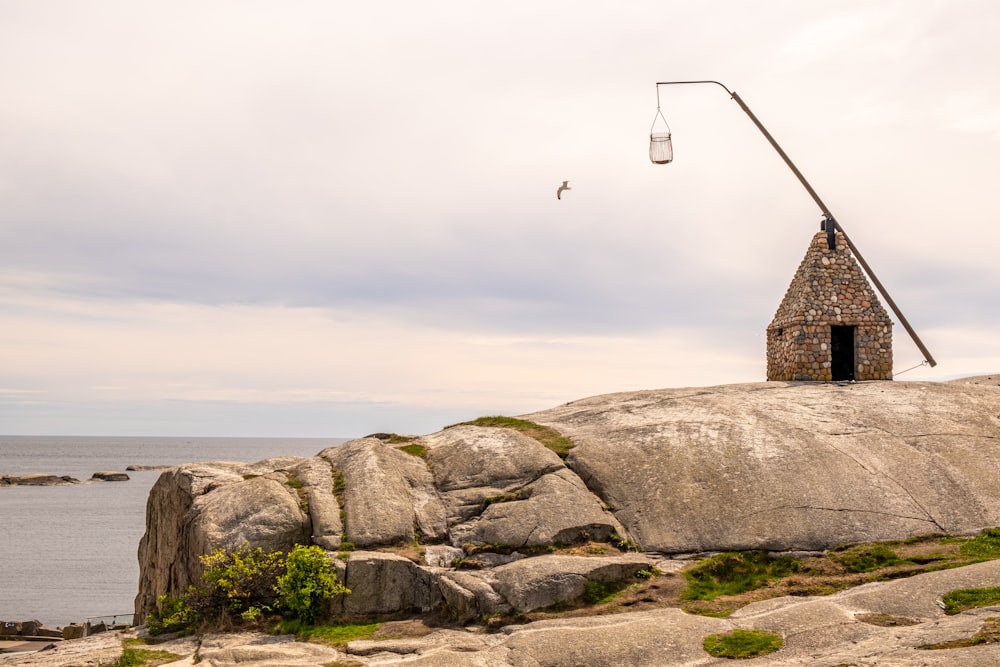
(352, 207)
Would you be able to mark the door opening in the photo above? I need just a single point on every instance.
(842, 352)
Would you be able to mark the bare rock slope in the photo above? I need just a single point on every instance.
(785, 466)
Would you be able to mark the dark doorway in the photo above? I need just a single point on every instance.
(842, 352)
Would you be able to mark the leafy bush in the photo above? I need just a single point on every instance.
(308, 583)
(239, 581)
(735, 572)
(970, 598)
(172, 614)
(984, 546)
(742, 644)
(249, 584)
(867, 557)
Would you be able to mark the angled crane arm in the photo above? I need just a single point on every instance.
(830, 223)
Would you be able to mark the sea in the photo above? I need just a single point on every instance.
(69, 553)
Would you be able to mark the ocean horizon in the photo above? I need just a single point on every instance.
(69, 553)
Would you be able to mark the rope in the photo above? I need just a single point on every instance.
(922, 363)
(660, 114)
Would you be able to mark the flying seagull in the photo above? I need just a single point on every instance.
(564, 186)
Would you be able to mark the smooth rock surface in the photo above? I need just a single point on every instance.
(534, 583)
(387, 584)
(317, 479)
(789, 466)
(389, 495)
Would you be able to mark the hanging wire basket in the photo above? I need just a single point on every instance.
(661, 151)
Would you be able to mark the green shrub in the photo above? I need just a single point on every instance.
(237, 581)
(867, 557)
(172, 614)
(970, 598)
(742, 644)
(308, 583)
(622, 543)
(735, 572)
(984, 546)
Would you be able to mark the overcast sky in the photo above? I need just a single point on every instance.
(320, 218)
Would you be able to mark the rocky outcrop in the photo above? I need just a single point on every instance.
(501, 487)
(389, 495)
(388, 584)
(776, 466)
(195, 509)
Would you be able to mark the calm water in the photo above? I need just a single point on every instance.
(68, 553)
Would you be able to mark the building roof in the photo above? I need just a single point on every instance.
(829, 287)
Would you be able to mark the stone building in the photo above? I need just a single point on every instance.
(830, 325)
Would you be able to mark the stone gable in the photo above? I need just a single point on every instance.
(830, 325)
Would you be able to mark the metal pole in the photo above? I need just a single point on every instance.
(829, 219)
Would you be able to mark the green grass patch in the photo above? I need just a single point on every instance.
(543, 434)
(984, 546)
(866, 557)
(735, 572)
(599, 592)
(333, 635)
(742, 644)
(970, 598)
(414, 450)
(132, 657)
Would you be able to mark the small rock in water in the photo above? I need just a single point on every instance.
(110, 476)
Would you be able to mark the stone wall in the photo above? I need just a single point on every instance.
(802, 352)
(829, 289)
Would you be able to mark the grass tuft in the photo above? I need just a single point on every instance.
(866, 557)
(135, 657)
(332, 635)
(970, 598)
(549, 437)
(742, 644)
(599, 592)
(984, 546)
(735, 572)
(414, 450)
